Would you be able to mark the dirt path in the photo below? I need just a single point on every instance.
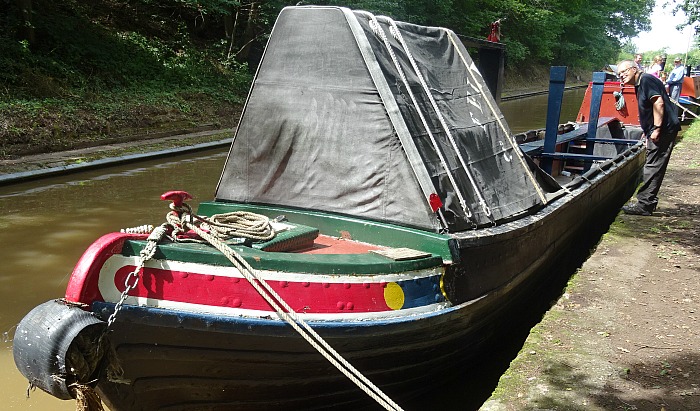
(626, 333)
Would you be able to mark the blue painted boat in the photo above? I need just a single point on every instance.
(390, 224)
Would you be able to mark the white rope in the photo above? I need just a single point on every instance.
(685, 110)
(142, 229)
(397, 34)
(518, 153)
(374, 25)
(287, 313)
(239, 224)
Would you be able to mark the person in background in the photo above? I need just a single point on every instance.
(655, 68)
(660, 125)
(675, 81)
(638, 61)
(495, 34)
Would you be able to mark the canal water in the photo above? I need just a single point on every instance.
(46, 225)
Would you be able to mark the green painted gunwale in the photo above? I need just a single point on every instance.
(285, 262)
(335, 225)
(360, 230)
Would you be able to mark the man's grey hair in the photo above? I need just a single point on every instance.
(628, 63)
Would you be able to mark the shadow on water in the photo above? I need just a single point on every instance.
(473, 384)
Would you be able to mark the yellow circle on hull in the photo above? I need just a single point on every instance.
(393, 295)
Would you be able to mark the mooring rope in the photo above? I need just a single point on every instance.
(685, 110)
(182, 219)
(86, 398)
(239, 224)
(287, 313)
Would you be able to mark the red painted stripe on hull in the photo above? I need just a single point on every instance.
(236, 292)
(82, 285)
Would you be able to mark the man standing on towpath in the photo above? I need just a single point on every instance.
(660, 125)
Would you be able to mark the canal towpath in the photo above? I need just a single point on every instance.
(35, 166)
(625, 332)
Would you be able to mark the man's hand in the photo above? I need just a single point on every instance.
(655, 135)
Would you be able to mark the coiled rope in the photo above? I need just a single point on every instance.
(239, 224)
(215, 230)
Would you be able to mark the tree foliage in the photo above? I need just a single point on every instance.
(691, 8)
(583, 33)
(181, 34)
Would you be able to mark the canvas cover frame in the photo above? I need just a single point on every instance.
(360, 115)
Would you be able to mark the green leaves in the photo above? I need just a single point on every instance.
(691, 8)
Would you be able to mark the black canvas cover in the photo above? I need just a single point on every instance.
(360, 115)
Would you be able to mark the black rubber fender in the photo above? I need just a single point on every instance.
(48, 335)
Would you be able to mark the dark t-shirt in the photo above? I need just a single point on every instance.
(648, 87)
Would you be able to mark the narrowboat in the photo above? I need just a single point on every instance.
(373, 225)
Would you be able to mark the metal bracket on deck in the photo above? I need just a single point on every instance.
(557, 81)
(598, 83)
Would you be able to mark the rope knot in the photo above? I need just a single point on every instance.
(619, 100)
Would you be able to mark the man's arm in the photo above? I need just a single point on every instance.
(658, 110)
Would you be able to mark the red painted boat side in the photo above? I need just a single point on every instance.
(82, 285)
(629, 114)
(691, 87)
(237, 292)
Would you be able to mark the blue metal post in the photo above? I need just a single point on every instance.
(596, 98)
(557, 80)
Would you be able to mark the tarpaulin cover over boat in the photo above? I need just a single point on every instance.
(337, 121)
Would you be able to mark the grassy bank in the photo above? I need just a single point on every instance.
(95, 74)
(110, 73)
(59, 117)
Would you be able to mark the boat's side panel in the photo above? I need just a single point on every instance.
(204, 361)
(171, 358)
(224, 290)
(337, 264)
(691, 86)
(628, 113)
(514, 250)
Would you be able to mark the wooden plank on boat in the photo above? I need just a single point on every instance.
(403, 253)
(574, 156)
(534, 147)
